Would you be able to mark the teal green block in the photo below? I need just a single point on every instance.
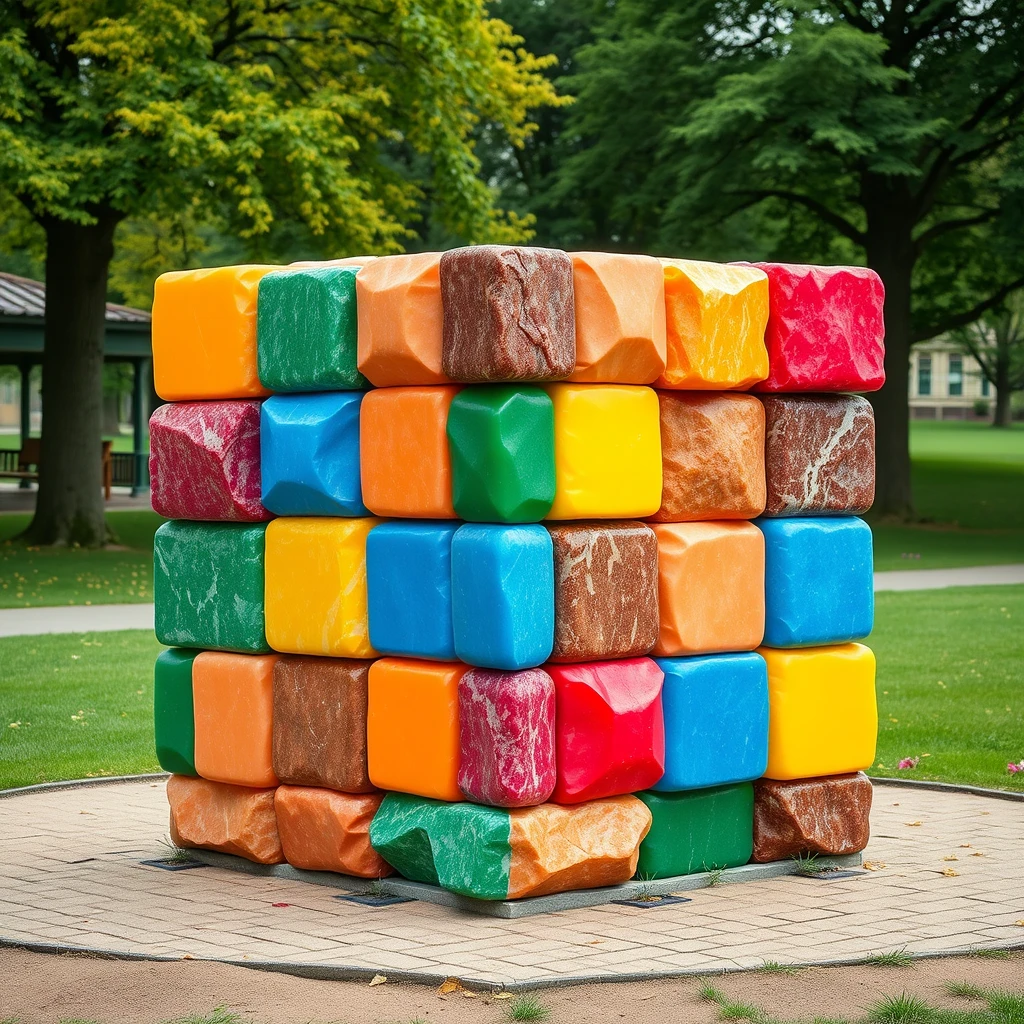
(173, 715)
(501, 441)
(208, 586)
(697, 830)
(461, 847)
(306, 330)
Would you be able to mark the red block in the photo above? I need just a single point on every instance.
(609, 728)
(204, 461)
(825, 329)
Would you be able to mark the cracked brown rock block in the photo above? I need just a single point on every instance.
(508, 314)
(828, 816)
(606, 590)
(819, 454)
(320, 723)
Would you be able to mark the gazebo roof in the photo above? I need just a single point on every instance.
(21, 296)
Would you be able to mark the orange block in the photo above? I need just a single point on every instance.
(204, 333)
(715, 320)
(710, 587)
(412, 727)
(620, 318)
(403, 452)
(398, 301)
(233, 706)
(322, 830)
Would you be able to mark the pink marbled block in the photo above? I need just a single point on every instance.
(507, 737)
(204, 461)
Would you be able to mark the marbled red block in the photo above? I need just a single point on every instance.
(609, 728)
(825, 329)
(507, 737)
(204, 461)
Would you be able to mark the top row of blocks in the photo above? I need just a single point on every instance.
(513, 313)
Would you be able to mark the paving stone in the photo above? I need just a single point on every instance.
(173, 717)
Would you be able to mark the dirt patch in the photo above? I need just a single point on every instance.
(37, 988)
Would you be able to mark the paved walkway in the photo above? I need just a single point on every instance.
(23, 499)
(949, 876)
(939, 579)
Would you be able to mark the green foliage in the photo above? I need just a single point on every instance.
(527, 1007)
(895, 958)
(901, 1009)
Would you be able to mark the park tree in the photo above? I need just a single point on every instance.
(338, 118)
(997, 343)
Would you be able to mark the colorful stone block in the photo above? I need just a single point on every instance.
(619, 302)
(508, 314)
(404, 461)
(399, 312)
(316, 587)
(819, 454)
(507, 737)
(606, 590)
(712, 456)
(306, 330)
(319, 723)
(827, 816)
(310, 454)
(322, 830)
(409, 589)
(700, 830)
(715, 319)
(208, 586)
(501, 442)
(825, 328)
(229, 819)
(494, 854)
(173, 718)
(819, 580)
(609, 727)
(233, 698)
(204, 461)
(607, 452)
(716, 720)
(204, 333)
(823, 717)
(503, 595)
(711, 587)
(412, 727)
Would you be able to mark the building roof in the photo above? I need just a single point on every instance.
(21, 296)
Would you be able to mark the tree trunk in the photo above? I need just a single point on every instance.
(69, 509)
(1003, 390)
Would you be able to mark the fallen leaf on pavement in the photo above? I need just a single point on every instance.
(952, 856)
(950, 873)
(873, 865)
(378, 979)
(502, 995)
(448, 986)
(912, 824)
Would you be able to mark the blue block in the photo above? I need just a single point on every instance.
(309, 454)
(818, 581)
(716, 720)
(503, 595)
(409, 589)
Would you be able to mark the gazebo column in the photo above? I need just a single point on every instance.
(139, 368)
(26, 409)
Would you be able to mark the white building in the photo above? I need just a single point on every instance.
(946, 383)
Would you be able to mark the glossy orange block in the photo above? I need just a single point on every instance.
(322, 830)
(710, 587)
(620, 318)
(233, 705)
(404, 465)
(204, 333)
(716, 316)
(412, 727)
(399, 309)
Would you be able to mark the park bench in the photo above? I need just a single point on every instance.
(24, 464)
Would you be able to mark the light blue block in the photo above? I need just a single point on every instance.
(503, 595)
(409, 589)
(818, 581)
(716, 720)
(309, 454)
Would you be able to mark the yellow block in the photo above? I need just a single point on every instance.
(316, 587)
(607, 451)
(715, 320)
(204, 333)
(823, 719)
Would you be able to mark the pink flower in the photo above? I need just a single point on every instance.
(1014, 768)
(908, 762)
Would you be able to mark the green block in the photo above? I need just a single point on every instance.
(462, 847)
(306, 330)
(698, 830)
(173, 719)
(501, 439)
(208, 586)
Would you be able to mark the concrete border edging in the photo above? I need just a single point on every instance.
(103, 780)
(944, 787)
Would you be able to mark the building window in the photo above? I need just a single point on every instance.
(956, 376)
(984, 386)
(924, 375)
